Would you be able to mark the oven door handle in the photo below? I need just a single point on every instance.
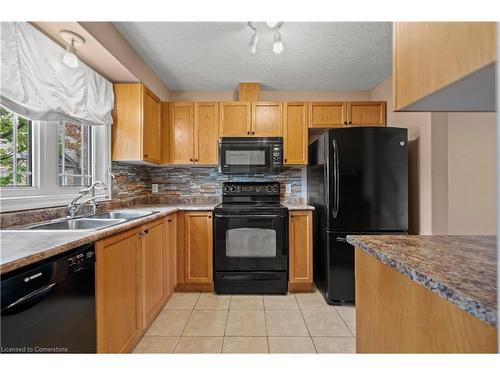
(244, 216)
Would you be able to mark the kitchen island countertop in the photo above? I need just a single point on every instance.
(459, 269)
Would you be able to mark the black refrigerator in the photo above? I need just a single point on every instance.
(357, 181)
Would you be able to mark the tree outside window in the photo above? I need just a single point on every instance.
(15, 150)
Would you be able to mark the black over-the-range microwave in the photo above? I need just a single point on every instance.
(250, 155)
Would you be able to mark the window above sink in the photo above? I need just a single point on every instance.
(51, 162)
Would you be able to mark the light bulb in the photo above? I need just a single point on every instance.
(278, 44)
(69, 58)
(272, 24)
(252, 46)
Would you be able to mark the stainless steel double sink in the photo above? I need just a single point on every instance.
(92, 222)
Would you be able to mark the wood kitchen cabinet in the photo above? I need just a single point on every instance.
(170, 253)
(136, 131)
(198, 247)
(267, 119)
(444, 66)
(181, 132)
(194, 133)
(235, 119)
(300, 251)
(154, 272)
(327, 114)
(366, 113)
(135, 277)
(206, 133)
(194, 251)
(295, 137)
(119, 306)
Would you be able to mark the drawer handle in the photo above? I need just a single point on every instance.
(341, 239)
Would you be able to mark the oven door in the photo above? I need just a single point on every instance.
(245, 158)
(250, 242)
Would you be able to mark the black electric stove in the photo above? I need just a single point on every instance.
(251, 239)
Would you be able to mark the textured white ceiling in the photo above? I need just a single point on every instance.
(213, 55)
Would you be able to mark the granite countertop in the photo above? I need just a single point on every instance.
(460, 269)
(21, 247)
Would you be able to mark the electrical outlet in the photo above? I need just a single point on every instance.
(154, 188)
(288, 188)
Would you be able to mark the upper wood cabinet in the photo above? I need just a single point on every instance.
(206, 133)
(194, 133)
(295, 138)
(444, 66)
(300, 249)
(198, 247)
(235, 119)
(165, 133)
(119, 306)
(266, 119)
(327, 114)
(366, 113)
(181, 133)
(136, 131)
(154, 271)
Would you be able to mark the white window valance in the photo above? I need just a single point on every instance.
(36, 84)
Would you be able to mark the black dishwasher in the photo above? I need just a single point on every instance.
(49, 307)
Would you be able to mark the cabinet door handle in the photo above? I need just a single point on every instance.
(285, 160)
(141, 234)
(248, 133)
(190, 159)
(145, 155)
(253, 132)
(345, 122)
(209, 216)
(291, 216)
(146, 231)
(195, 159)
(169, 220)
(350, 122)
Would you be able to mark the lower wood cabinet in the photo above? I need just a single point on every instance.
(135, 276)
(118, 292)
(154, 271)
(194, 252)
(170, 250)
(300, 251)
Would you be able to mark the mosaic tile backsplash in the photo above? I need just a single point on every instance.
(198, 184)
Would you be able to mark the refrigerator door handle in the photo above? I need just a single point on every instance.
(326, 174)
(337, 178)
(341, 239)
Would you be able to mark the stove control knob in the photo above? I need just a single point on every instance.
(275, 188)
(233, 189)
(268, 188)
(226, 189)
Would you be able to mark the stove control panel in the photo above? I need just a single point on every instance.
(251, 188)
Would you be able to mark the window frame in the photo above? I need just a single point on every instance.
(45, 191)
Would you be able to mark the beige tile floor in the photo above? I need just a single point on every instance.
(209, 323)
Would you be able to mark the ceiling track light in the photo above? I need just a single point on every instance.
(73, 40)
(278, 44)
(252, 46)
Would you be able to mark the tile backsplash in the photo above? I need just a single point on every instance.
(192, 184)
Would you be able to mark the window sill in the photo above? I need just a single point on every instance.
(9, 204)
